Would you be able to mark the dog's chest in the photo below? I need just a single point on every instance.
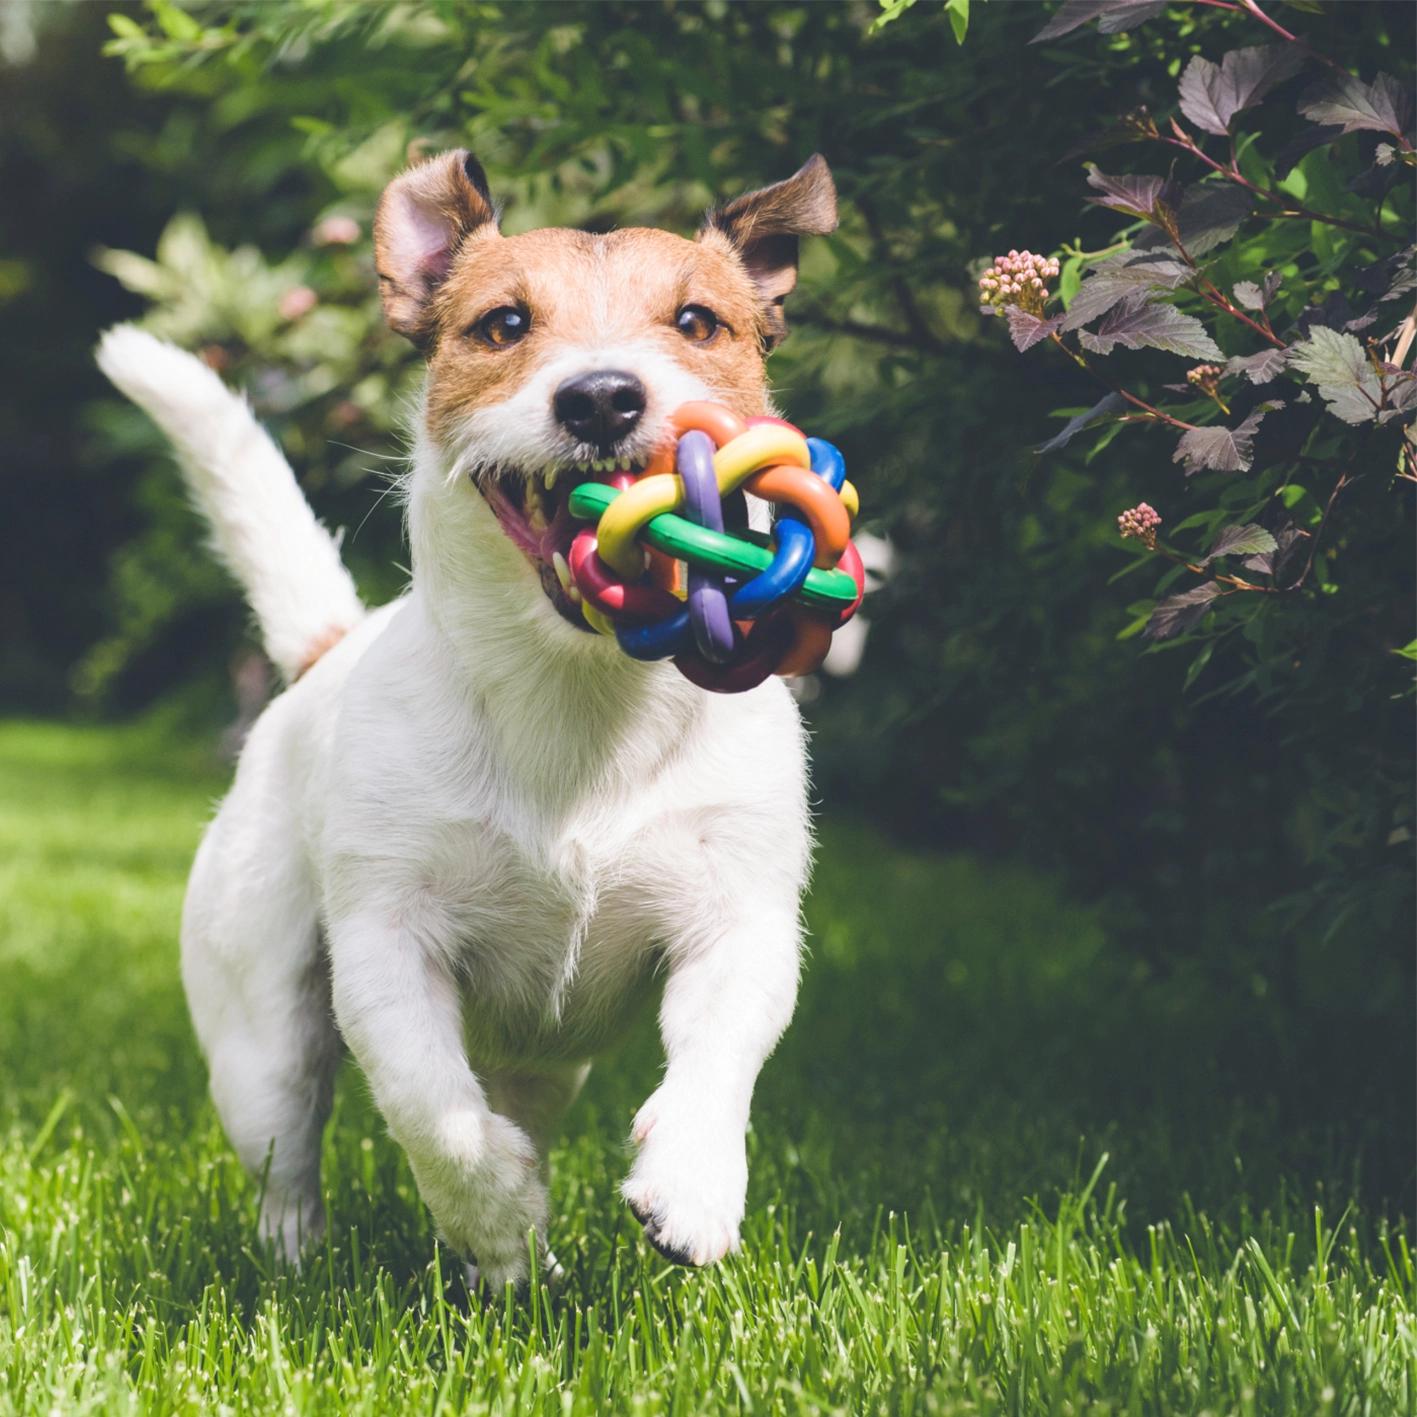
(553, 939)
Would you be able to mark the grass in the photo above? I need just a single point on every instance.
(997, 1167)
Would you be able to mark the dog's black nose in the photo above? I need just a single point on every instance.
(601, 407)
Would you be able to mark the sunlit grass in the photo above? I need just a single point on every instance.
(996, 1167)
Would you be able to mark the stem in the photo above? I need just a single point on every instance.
(1343, 481)
(1237, 582)
(1216, 298)
(1291, 210)
(1283, 33)
(1154, 414)
(1213, 294)
(880, 334)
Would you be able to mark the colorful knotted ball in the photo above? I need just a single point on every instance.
(752, 604)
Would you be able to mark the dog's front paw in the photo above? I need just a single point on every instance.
(688, 1184)
(483, 1184)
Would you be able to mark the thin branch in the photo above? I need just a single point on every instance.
(879, 334)
(1213, 294)
(1153, 414)
(1343, 480)
(1290, 210)
(1254, 9)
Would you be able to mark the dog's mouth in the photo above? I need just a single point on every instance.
(533, 509)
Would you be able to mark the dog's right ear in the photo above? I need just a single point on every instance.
(420, 222)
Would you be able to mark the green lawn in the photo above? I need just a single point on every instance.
(997, 1166)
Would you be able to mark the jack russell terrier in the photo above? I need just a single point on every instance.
(470, 837)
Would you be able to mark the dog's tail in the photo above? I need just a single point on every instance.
(261, 525)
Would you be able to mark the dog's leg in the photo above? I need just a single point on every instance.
(536, 1101)
(399, 1010)
(726, 1003)
(258, 991)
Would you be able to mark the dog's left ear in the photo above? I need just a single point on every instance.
(763, 227)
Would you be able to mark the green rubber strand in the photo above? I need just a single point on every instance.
(741, 555)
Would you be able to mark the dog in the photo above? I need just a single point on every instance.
(470, 838)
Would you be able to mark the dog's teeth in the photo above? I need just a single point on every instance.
(550, 476)
(563, 571)
(535, 509)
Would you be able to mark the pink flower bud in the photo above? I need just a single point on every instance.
(297, 301)
(336, 231)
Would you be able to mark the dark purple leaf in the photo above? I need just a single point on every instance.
(1349, 104)
(1026, 330)
(1248, 540)
(1135, 194)
(1270, 563)
(1114, 279)
(1139, 321)
(1262, 368)
(1208, 215)
(1112, 16)
(1336, 312)
(1178, 613)
(1339, 365)
(1113, 403)
(1401, 396)
(1212, 94)
(1134, 127)
(1391, 277)
(1219, 448)
(1300, 145)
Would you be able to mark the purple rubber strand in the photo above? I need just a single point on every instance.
(708, 606)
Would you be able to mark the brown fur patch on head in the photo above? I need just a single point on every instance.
(444, 265)
(579, 289)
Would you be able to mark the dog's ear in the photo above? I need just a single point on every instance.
(763, 227)
(420, 222)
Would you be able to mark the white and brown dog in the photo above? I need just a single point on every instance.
(470, 835)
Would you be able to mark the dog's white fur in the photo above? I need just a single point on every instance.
(468, 842)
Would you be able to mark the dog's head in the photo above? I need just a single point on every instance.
(557, 354)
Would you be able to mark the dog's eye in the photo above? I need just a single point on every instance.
(697, 323)
(503, 326)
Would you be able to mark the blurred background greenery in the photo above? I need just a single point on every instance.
(215, 169)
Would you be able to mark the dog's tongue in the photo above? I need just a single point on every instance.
(558, 534)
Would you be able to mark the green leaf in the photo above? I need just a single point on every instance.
(176, 23)
(1198, 664)
(958, 11)
(125, 27)
(1339, 365)
(890, 10)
